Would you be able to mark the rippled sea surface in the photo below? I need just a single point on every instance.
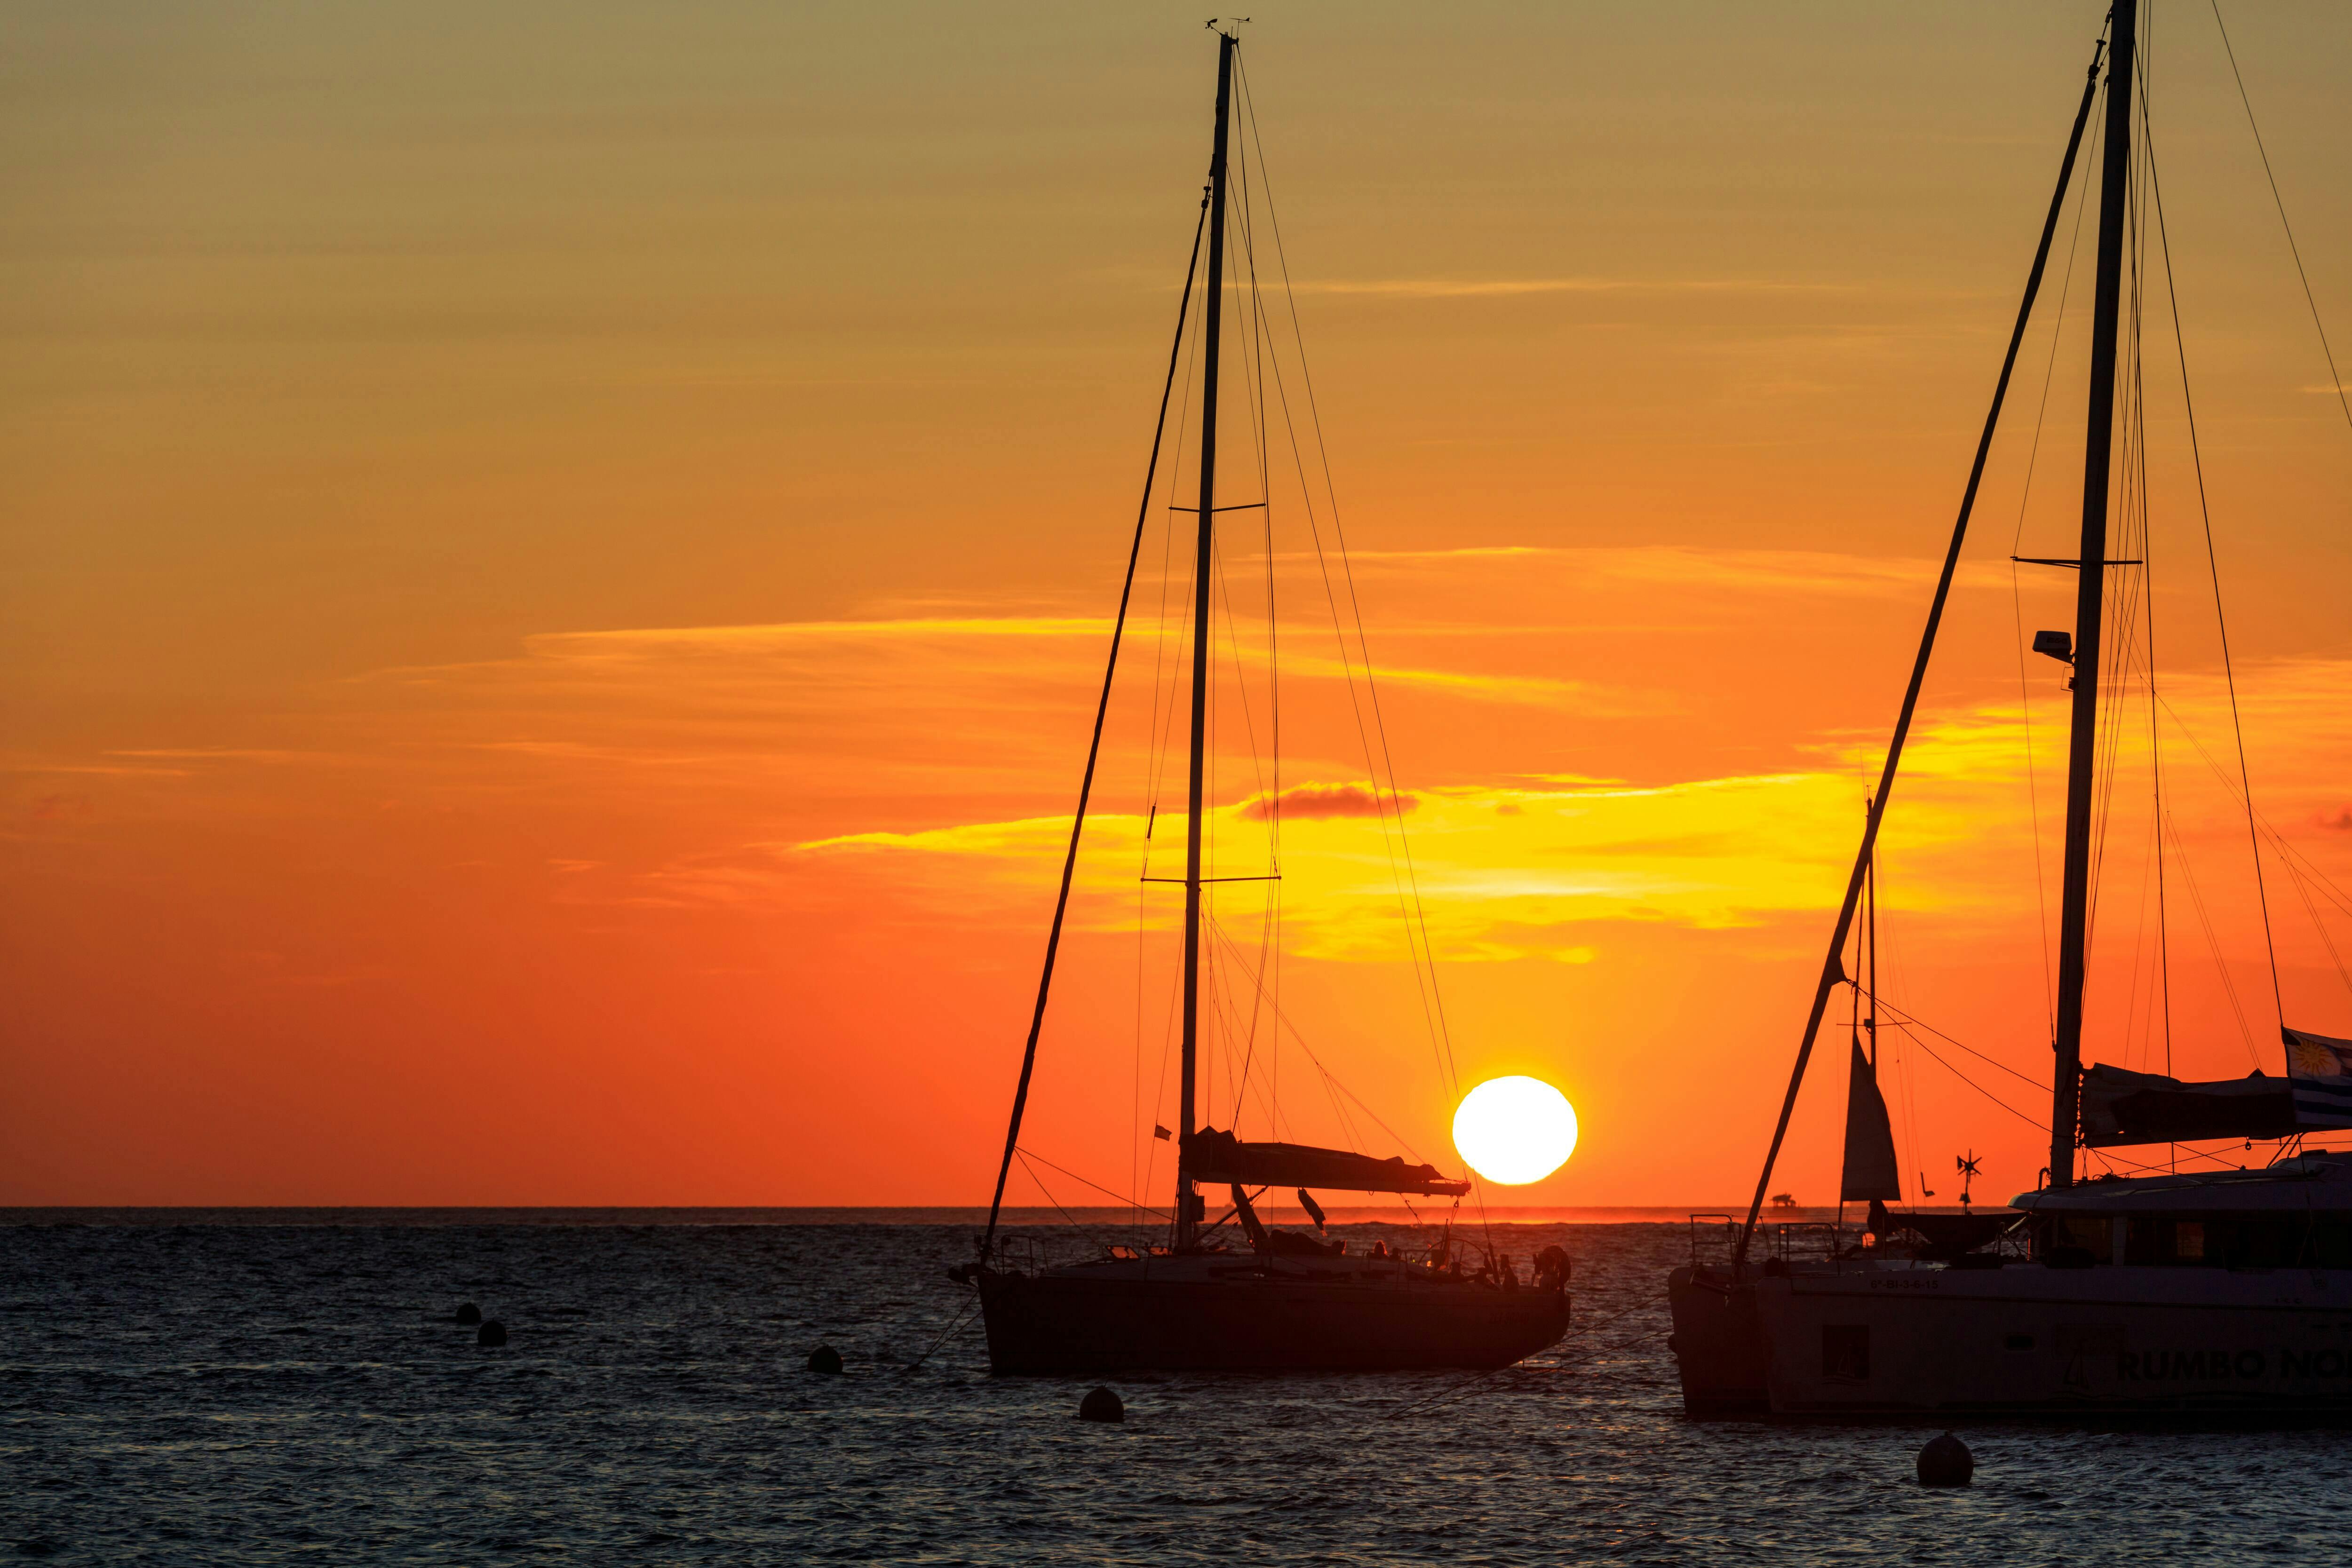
(265, 1393)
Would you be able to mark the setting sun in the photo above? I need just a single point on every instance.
(1515, 1130)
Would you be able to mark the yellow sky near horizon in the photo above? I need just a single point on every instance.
(558, 565)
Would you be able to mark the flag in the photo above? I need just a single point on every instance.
(2321, 1068)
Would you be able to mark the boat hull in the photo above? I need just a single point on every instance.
(1244, 1318)
(1717, 1344)
(1870, 1342)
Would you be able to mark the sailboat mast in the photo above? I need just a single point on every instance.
(1187, 1218)
(2073, 923)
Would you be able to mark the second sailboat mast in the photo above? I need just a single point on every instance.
(2082, 757)
(1187, 1221)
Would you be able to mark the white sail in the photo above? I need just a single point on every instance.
(1870, 1170)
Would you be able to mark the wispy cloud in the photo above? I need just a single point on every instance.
(763, 634)
(224, 754)
(1496, 288)
(1499, 863)
(1316, 802)
(1746, 570)
(1477, 685)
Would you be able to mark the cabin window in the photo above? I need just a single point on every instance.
(2260, 1244)
(2166, 1240)
(1845, 1351)
(2233, 1241)
(2096, 1236)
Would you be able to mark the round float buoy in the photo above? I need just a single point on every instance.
(1946, 1462)
(825, 1359)
(468, 1313)
(1101, 1404)
(491, 1334)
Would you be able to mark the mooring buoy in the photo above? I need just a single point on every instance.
(1946, 1462)
(1101, 1404)
(825, 1359)
(468, 1313)
(491, 1334)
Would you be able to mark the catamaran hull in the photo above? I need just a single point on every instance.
(2023, 1341)
(1718, 1345)
(1253, 1322)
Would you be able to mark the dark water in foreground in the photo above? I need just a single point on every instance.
(203, 1394)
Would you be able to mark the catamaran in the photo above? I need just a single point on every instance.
(1251, 1297)
(2222, 1289)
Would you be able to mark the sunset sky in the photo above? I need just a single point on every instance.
(558, 561)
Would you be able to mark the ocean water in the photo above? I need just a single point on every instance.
(233, 1393)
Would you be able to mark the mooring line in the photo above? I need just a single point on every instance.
(960, 1319)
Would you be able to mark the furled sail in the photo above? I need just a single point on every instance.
(2320, 1068)
(1870, 1169)
(2120, 1106)
(1210, 1156)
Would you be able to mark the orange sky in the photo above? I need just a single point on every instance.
(556, 565)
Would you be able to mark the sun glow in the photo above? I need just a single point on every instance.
(1515, 1130)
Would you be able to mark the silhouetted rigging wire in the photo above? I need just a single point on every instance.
(1094, 754)
(1972, 1083)
(2119, 631)
(1339, 1085)
(1831, 974)
(1417, 925)
(1907, 1019)
(1400, 849)
(2334, 379)
(1156, 742)
(2017, 602)
(1331, 1083)
(2142, 586)
(2305, 872)
(1254, 366)
(1029, 1154)
(2212, 560)
(2212, 942)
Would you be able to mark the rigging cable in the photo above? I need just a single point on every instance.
(1972, 1083)
(2148, 555)
(1128, 1201)
(2213, 944)
(2334, 379)
(1908, 1021)
(1067, 1217)
(1094, 751)
(2016, 601)
(2212, 560)
(1159, 748)
(1433, 1001)
(2120, 622)
(1332, 1080)
(2280, 843)
(1830, 974)
(2301, 869)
